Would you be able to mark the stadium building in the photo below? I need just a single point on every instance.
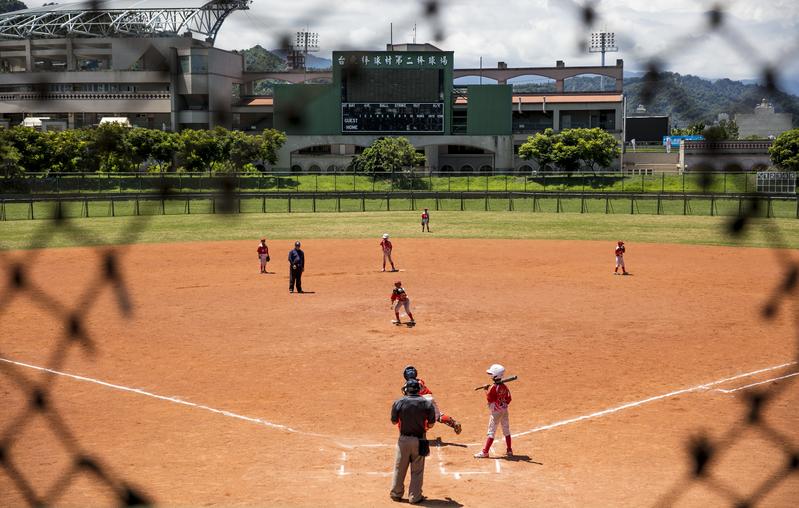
(157, 67)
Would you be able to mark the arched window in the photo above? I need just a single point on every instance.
(526, 169)
(467, 169)
(296, 168)
(485, 168)
(446, 168)
(331, 168)
(314, 169)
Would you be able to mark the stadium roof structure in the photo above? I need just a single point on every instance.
(119, 18)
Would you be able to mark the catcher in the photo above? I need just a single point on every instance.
(410, 373)
(263, 254)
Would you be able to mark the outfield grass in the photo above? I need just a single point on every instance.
(514, 225)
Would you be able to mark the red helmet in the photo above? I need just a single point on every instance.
(398, 283)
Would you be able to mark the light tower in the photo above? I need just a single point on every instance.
(603, 42)
(305, 42)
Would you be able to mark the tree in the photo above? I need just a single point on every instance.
(70, 150)
(539, 148)
(571, 148)
(153, 147)
(111, 152)
(723, 131)
(33, 150)
(388, 155)
(11, 5)
(200, 150)
(784, 152)
(594, 147)
(9, 158)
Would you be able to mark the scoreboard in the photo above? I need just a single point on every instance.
(393, 92)
(392, 117)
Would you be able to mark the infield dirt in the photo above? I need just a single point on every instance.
(207, 328)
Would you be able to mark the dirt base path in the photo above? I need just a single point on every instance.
(249, 395)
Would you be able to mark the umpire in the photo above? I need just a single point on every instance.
(296, 267)
(415, 415)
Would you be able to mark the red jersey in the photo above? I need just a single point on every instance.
(262, 249)
(386, 244)
(399, 294)
(425, 390)
(498, 398)
(620, 250)
(425, 216)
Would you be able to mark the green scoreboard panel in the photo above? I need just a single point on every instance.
(393, 92)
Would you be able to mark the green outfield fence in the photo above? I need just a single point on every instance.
(153, 183)
(17, 208)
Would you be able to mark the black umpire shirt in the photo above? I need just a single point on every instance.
(297, 257)
(412, 412)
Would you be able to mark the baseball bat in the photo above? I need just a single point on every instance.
(506, 380)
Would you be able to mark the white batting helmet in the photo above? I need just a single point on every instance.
(496, 370)
(385, 235)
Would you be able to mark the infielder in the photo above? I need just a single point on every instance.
(411, 373)
(385, 244)
(498, 397)
(620, 259)
(263, 254)
(426, 220)
(401, 298)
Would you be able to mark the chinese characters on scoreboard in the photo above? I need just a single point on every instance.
(394, 60)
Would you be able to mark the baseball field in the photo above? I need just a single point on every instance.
(221, 388)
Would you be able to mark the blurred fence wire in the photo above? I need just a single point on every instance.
(704, 451)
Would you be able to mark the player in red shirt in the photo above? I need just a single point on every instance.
(385, 244)
(425, 220)
(411, 373)
(263, 254)
(498, 398)
(401, 298)
(620, 259)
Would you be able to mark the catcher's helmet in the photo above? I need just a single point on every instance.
(398, 283)
(496, 371)
(412, 387)
(409, 372)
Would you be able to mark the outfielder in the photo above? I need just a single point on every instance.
(385, 244)
(426, 220)
(620, 258)
(401, 298)
(410, 373)
(263, 254)
(498, 397)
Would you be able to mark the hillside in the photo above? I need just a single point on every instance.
(259, 59)
(11, 5)
(691, 99)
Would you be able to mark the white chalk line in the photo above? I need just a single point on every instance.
(176, 400)
(285, 428)
(733, 390)
(629, 405)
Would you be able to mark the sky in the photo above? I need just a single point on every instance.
(530, 33)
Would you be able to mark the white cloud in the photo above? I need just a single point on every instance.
(539, 32)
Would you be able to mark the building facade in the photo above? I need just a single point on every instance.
(157, 67)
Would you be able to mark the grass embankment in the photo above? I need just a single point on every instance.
(109, 184)
(564, 226)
